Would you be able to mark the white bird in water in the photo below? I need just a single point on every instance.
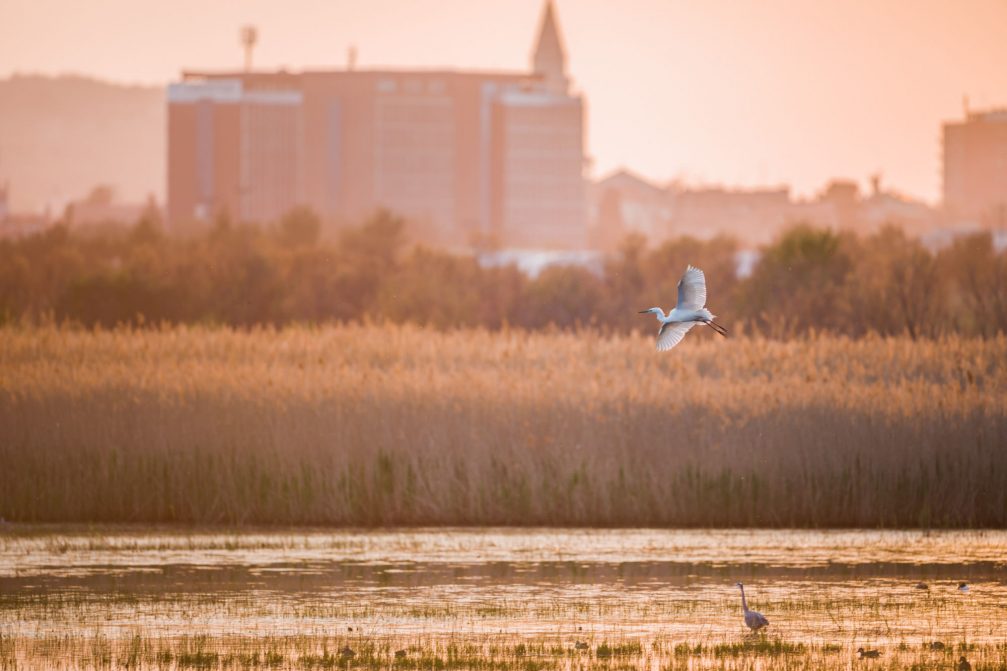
(753, 620)
(690, 311)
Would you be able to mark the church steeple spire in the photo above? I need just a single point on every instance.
(549, 58)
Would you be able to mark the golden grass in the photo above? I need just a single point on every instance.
(371, 425)
(512, 653)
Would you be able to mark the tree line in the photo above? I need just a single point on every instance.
(808, 279)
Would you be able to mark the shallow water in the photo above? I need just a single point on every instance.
(848, 588)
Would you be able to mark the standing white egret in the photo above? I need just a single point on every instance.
(690, 311)
(753, 620)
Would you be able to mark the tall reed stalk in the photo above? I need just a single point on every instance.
(374, 425)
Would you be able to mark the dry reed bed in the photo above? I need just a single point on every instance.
(366, 425)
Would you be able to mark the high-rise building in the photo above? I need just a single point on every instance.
(464, 156)
(975, 167)
(232, 149)
(538, 149)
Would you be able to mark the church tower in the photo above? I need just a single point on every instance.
(549, 58)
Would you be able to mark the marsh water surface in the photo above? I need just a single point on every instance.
(655, 591)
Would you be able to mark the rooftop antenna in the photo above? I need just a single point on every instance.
(249, 36)
(351, 58)
(965, 105)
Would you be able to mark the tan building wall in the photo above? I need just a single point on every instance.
(538, 171)
(231, 152)
(975, 166)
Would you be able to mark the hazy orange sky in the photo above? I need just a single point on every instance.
(742, 93)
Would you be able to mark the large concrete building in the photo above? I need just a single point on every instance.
(488, 157)
(975, 168)
(233, 149)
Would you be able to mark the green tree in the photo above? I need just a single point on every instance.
(564, 296)
(894, 287)
(366, 257)
(977, 274)
(799, 283)
(300, 227)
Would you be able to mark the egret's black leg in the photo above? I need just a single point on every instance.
(717, 327)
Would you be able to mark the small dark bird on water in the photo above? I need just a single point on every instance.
(347, 653)
(963, 587)
(963, 664)
(400, 654)
(868, 654)
(922, 585)
(580, 645)
(936, 645)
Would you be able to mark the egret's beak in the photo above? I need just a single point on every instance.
(643, 312)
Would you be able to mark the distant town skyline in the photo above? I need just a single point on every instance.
(484, 158)
(775, 92)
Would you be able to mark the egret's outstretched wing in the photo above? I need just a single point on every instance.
(692, 289)
(671, 334)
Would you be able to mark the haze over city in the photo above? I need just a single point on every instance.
(505, 335)
(739, 94)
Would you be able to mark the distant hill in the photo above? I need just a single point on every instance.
(60, 136)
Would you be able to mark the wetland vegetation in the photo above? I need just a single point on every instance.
(497, 599)
(398, 425)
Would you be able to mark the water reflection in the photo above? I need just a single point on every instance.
(553, 583)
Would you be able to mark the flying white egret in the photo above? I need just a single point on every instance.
(690, 311)
(753, 620)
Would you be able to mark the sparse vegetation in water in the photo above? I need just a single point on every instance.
(302, 652)
(419, 599)
(604, 651)
(758, 646)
